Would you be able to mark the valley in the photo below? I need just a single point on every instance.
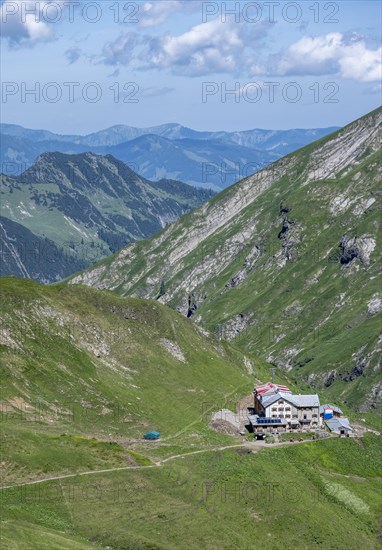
(276, 277)
(285, 265)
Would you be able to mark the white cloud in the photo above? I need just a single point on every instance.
(207, 48)
(333, 53)
(26, 22)
(236, 48)
(361, 64)
(212, 47)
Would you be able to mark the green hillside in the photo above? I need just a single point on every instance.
(286, 264)
(86, 372)
(82, 368)
(67, 211)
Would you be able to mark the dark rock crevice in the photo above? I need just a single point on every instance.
(348, 250)
(287, 224)
(289, 234)
(352, 248)
(192, 305)
(330, 379)
(355, 373)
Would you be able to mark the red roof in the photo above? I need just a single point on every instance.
(270, 388)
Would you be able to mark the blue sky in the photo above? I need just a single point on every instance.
(266, 65)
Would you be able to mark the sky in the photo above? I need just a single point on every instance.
(75, 66)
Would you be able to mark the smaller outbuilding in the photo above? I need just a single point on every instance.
(330, 411)
(340, 426)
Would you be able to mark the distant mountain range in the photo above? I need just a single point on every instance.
(172, 151)
(67, 211)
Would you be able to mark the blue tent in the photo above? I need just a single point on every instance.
(151, 435)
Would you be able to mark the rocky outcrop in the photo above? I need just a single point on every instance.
(362, 366)
(355, 373)
(236, 279)
(289, 235)
(372, 399)
(293, 309)
(374, 306)
(173, 349)
(352, 248)
(330, 378)
(235, 326)
(248, 265)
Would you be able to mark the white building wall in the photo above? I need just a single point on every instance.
(281, 407)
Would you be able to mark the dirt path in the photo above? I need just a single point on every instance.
(254, 446)
(65, 476)
(201, 451)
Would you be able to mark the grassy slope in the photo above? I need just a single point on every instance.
(317, 495)
(84, 414)
(78, 362)
(20, 206)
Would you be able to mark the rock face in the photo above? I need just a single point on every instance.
(289, 235)
(68, 211)
(374, 306)
(232, 328)
(331, 377)
(286, 262)
(354, 248)
(173, 349)
(357, 371)
(247, 267)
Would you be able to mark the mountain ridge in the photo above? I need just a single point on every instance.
(127, 133)
(205, 159)
(85, 206)
(259, 241)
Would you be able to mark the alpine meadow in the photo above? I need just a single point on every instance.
(191, 275)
